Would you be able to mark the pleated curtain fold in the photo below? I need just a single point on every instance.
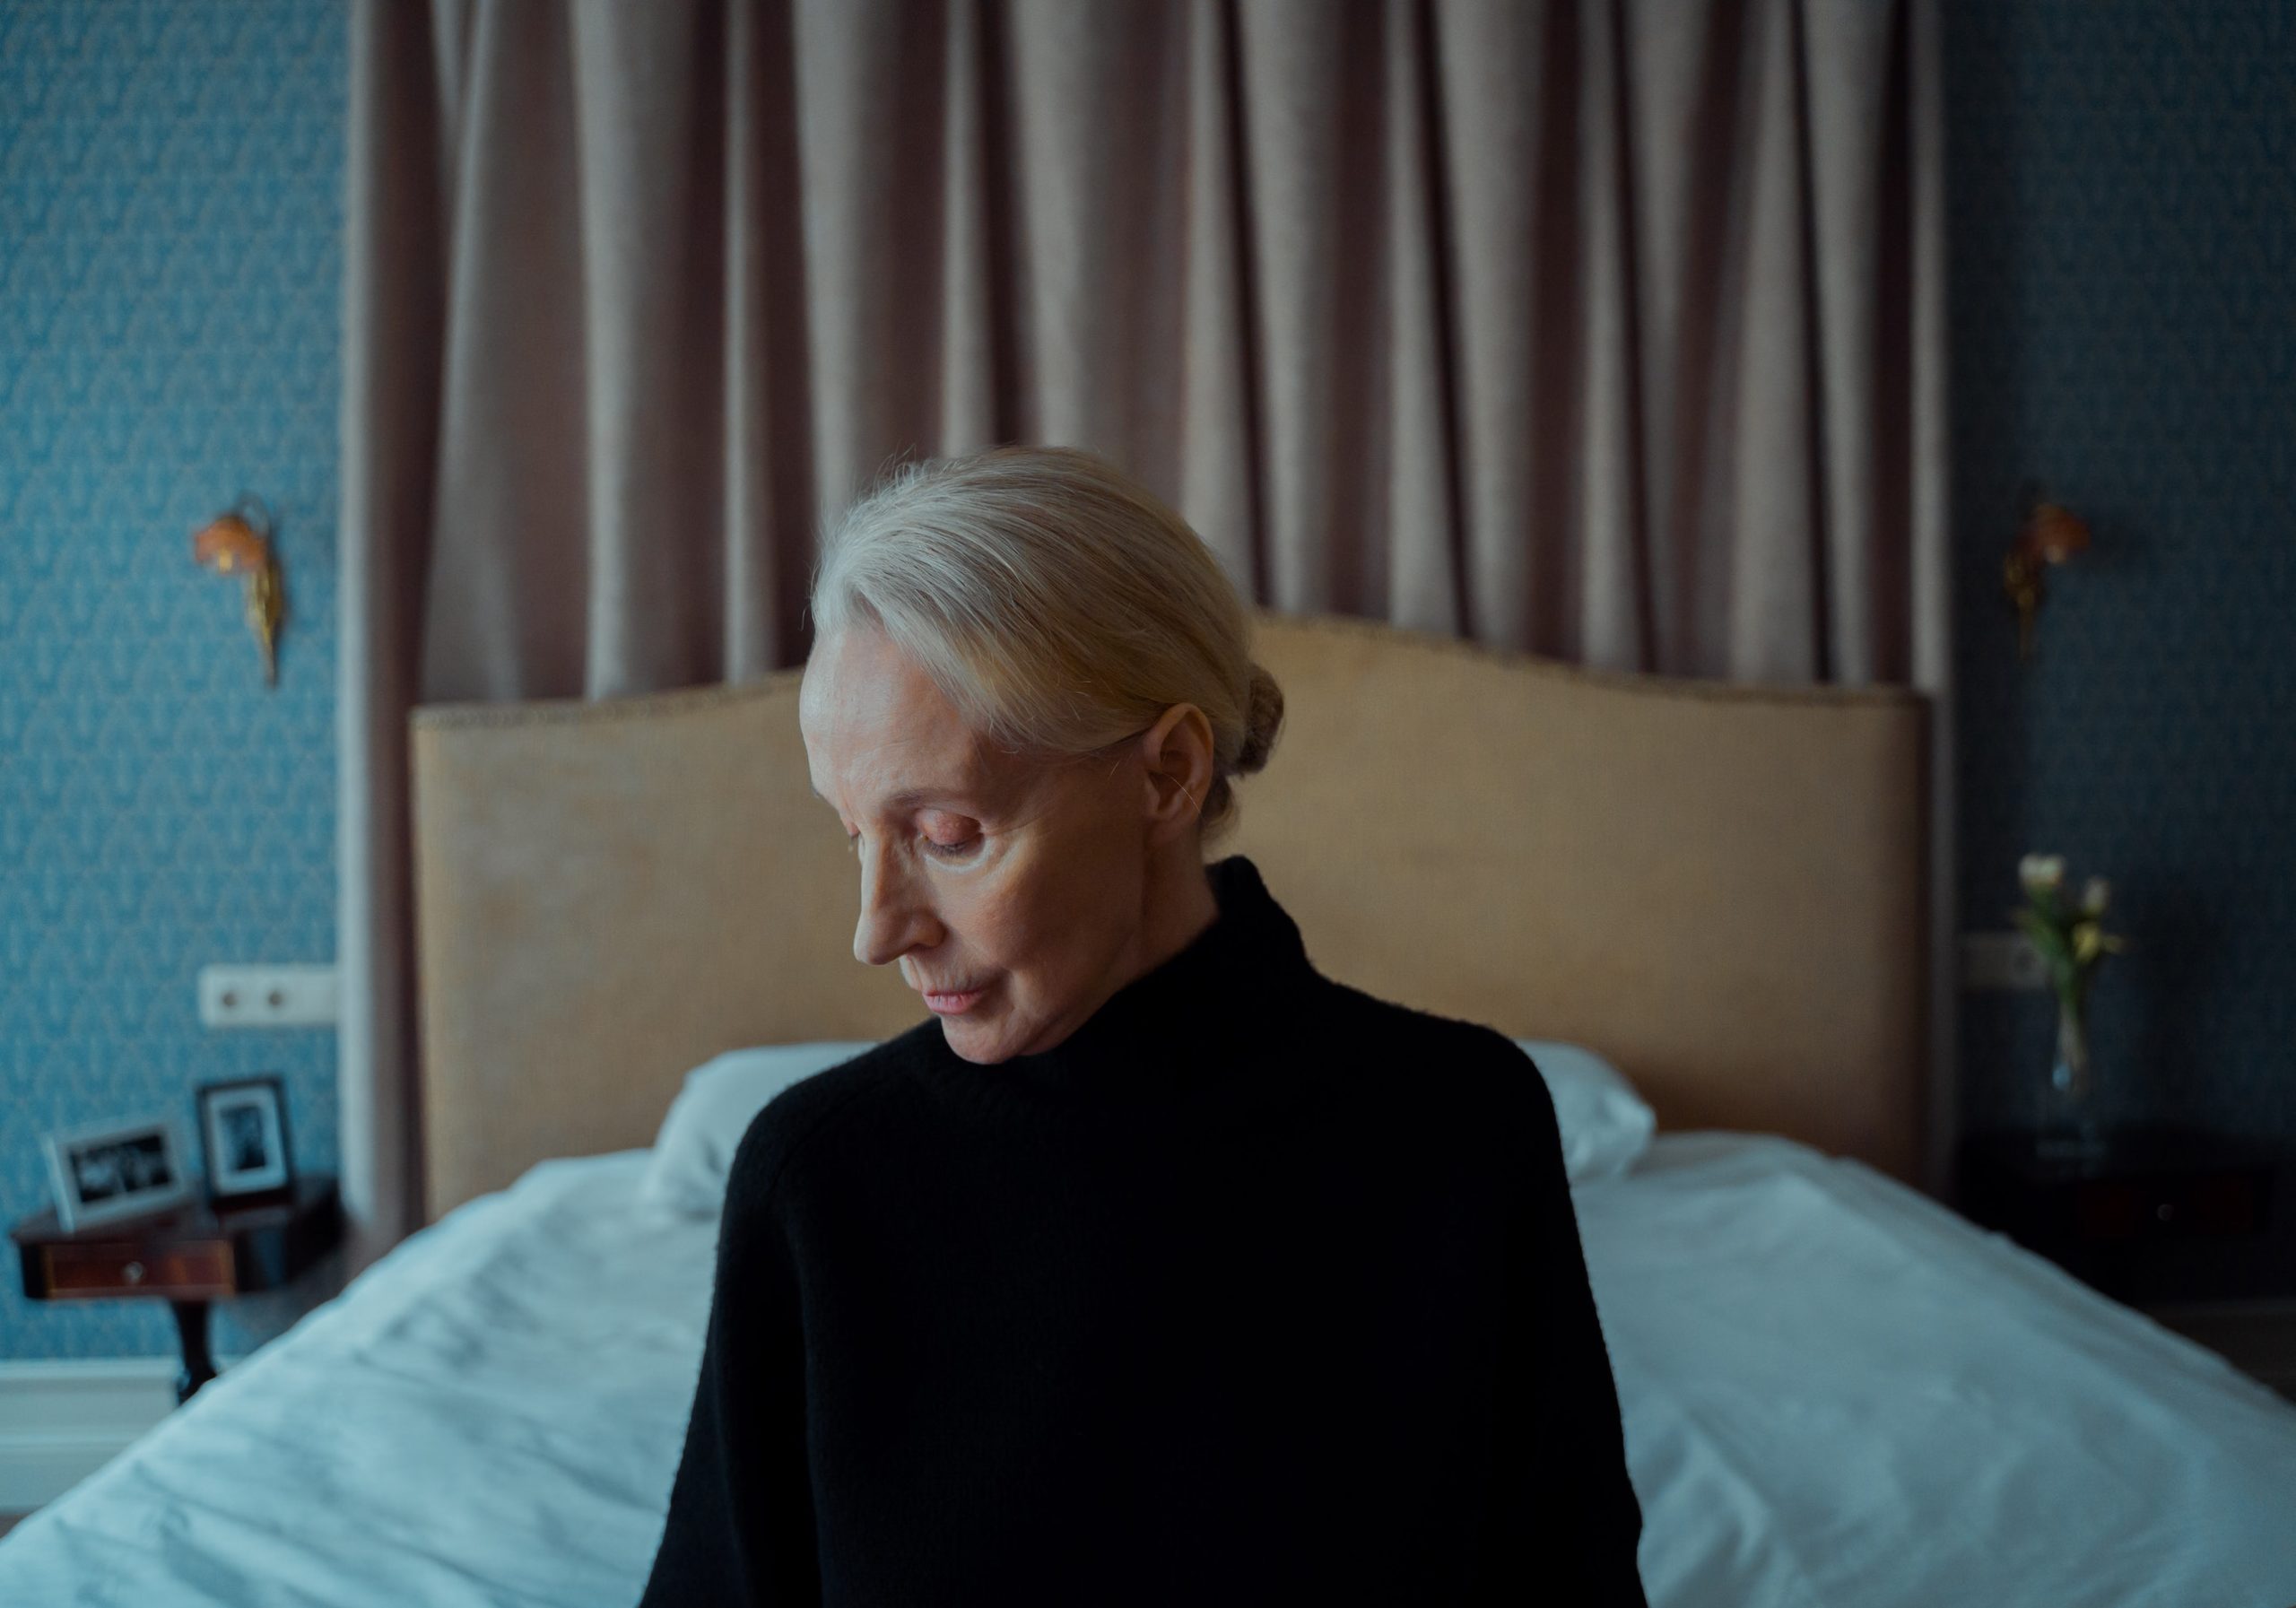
(1605, 329)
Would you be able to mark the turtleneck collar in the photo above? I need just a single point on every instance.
(1173, 1028)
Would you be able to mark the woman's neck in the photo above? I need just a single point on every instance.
(1179, 906)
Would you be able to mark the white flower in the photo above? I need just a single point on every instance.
(2093, 896)
(2041, 872)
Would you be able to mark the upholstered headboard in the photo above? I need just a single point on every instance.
(1720, 888)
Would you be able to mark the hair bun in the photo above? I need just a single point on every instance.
(1263, 715)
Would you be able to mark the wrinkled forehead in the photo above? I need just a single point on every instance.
(879, 734)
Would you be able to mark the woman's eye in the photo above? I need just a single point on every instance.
(954, 848)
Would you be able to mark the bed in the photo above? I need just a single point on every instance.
(1835, 1390)
(1834, 1393)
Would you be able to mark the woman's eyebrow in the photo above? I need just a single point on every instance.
(910, 798)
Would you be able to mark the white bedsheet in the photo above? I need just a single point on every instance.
(1836, 1393)
(490, 1414)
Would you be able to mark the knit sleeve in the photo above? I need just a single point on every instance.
(740, 1529)
(1563, 1522)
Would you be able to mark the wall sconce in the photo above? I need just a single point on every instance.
(239, 542)
(2051, 534)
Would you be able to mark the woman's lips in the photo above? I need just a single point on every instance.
(942, 1003)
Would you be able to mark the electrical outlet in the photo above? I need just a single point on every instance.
(2001, 960)
(267, 997)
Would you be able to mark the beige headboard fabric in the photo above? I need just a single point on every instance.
(1720, 888)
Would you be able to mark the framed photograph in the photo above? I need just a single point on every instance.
(119, 1169)
(243, 1132)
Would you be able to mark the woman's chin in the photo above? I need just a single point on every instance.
(970, 1039)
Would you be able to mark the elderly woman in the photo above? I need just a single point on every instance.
(1154, 1266)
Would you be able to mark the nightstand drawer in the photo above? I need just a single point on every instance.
(188, 1272)
(2170, 1206)
(2155, 1214)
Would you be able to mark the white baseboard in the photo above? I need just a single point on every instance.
(60, 1421)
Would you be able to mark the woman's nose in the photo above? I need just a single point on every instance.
(892, 921)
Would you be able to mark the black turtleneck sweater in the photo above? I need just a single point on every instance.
(1254, 1290)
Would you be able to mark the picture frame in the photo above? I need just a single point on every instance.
(113, 1170)
(243, 1138)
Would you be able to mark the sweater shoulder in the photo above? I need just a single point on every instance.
(1466, 1061)
(1392, 1026)
(810, 1108)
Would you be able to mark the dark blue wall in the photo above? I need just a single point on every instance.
(2123, 236)
(170, 285)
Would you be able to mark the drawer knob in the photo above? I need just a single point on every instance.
(133, 1273)
(2166, 1210)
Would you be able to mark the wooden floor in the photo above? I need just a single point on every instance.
(2257, 1337)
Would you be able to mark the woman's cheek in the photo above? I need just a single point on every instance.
(976, 916)
(1029, 922)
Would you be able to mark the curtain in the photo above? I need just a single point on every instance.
(1609, 330)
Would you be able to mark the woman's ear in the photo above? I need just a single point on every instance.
(1176, 753)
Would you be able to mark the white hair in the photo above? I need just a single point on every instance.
(1057, 604)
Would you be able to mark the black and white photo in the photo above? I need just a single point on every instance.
(116, 1170)
(243, 1130)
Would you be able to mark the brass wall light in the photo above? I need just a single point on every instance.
(239, 542)
(2051, 534)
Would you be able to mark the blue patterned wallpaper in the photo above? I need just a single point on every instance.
(169, 282)
(2122, 211)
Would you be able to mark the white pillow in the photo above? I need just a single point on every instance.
(694, 1150)
(1605, 1126)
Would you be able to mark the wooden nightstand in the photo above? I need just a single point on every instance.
(2197, 1230)
(2163, 1214)
(190, 1256)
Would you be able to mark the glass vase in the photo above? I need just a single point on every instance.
(2069, 1129)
